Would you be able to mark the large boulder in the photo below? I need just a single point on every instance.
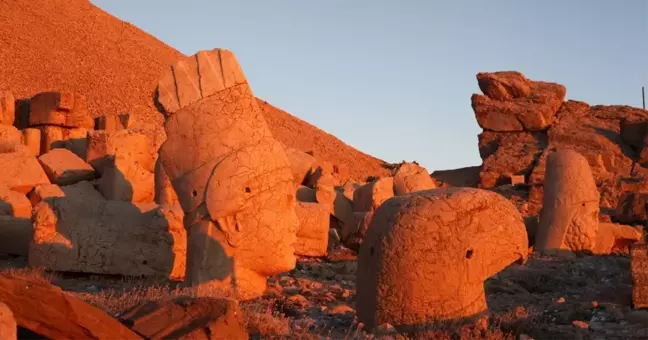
(427, 255)
(64, 167)
(21, 172)
(514, 103)
(49, 313)
(90, 235)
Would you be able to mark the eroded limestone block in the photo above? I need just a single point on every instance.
(570, 211)
(63, 109)
(232, 178)
(9, 135)
(73, 139)
(43, 191)
(108, 237)
(371, 195)
(129, 144)
(64, 167)
(13, 203)
(454, 240)
(301, 164)
(32, 139)
(411, 177)
(21, 172)
(313, 230)
(124, 180)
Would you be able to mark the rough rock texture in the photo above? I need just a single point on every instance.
(9, 137)
(51, 313)
(462, 177)
(13, 203)
(455, 239)
(353, 235)
(21, 172)
(301, 164)
(32, 139)
(633, 208)
(514, 103)
(187, 318)
(313, 230)
(63, 109)
(7, 108)
(164, 193)
(8, 327)
(53, 137)
(639, 267)
(116, 66)
(612, 237)
(410, 177)
(43, 191)
(570, 215)
(371, 195)
(232, 178)
(348, 189)
(64, 167)
(508, 153)
(107, 237)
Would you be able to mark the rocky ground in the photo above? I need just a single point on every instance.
(578, 297)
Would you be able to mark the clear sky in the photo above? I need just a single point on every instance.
(394, 78)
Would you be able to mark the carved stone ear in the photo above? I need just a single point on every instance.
(231, 228)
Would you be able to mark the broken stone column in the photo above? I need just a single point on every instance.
(569, 219)
(232, 178)
(63, 119)
(82, 232)
(410, 177)
(426, 255)
(313, 230)
(32, 139)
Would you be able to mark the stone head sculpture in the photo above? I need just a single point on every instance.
(232, 178)
(569, 219)
(426, 255)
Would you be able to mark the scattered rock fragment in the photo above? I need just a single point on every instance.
(64, 167)
(21, 172)
(410, 177)
(371, 195)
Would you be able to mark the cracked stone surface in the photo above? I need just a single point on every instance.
(513, 103)
(411, 177)
(427, 255)
(63, 109)
(232, 178)
(569, 218)
(313, 230)
(9, 136)
(91, 235)
(73, 139)
(164, 192)
(64, 167)
(371, 195)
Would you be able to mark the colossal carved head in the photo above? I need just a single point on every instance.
(225, 165)
(427, 254)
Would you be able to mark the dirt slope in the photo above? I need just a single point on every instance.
(74, 46)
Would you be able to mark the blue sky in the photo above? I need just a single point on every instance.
(394, 78)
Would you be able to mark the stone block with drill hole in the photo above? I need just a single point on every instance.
(21, 172)
(73, 139)
(639, 268)
(63, 109)
(313, 231)
(64, 167)
(108, 237)
(371, 195)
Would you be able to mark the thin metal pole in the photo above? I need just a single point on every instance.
(643, 97)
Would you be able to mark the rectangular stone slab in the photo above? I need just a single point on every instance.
(108, 237)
